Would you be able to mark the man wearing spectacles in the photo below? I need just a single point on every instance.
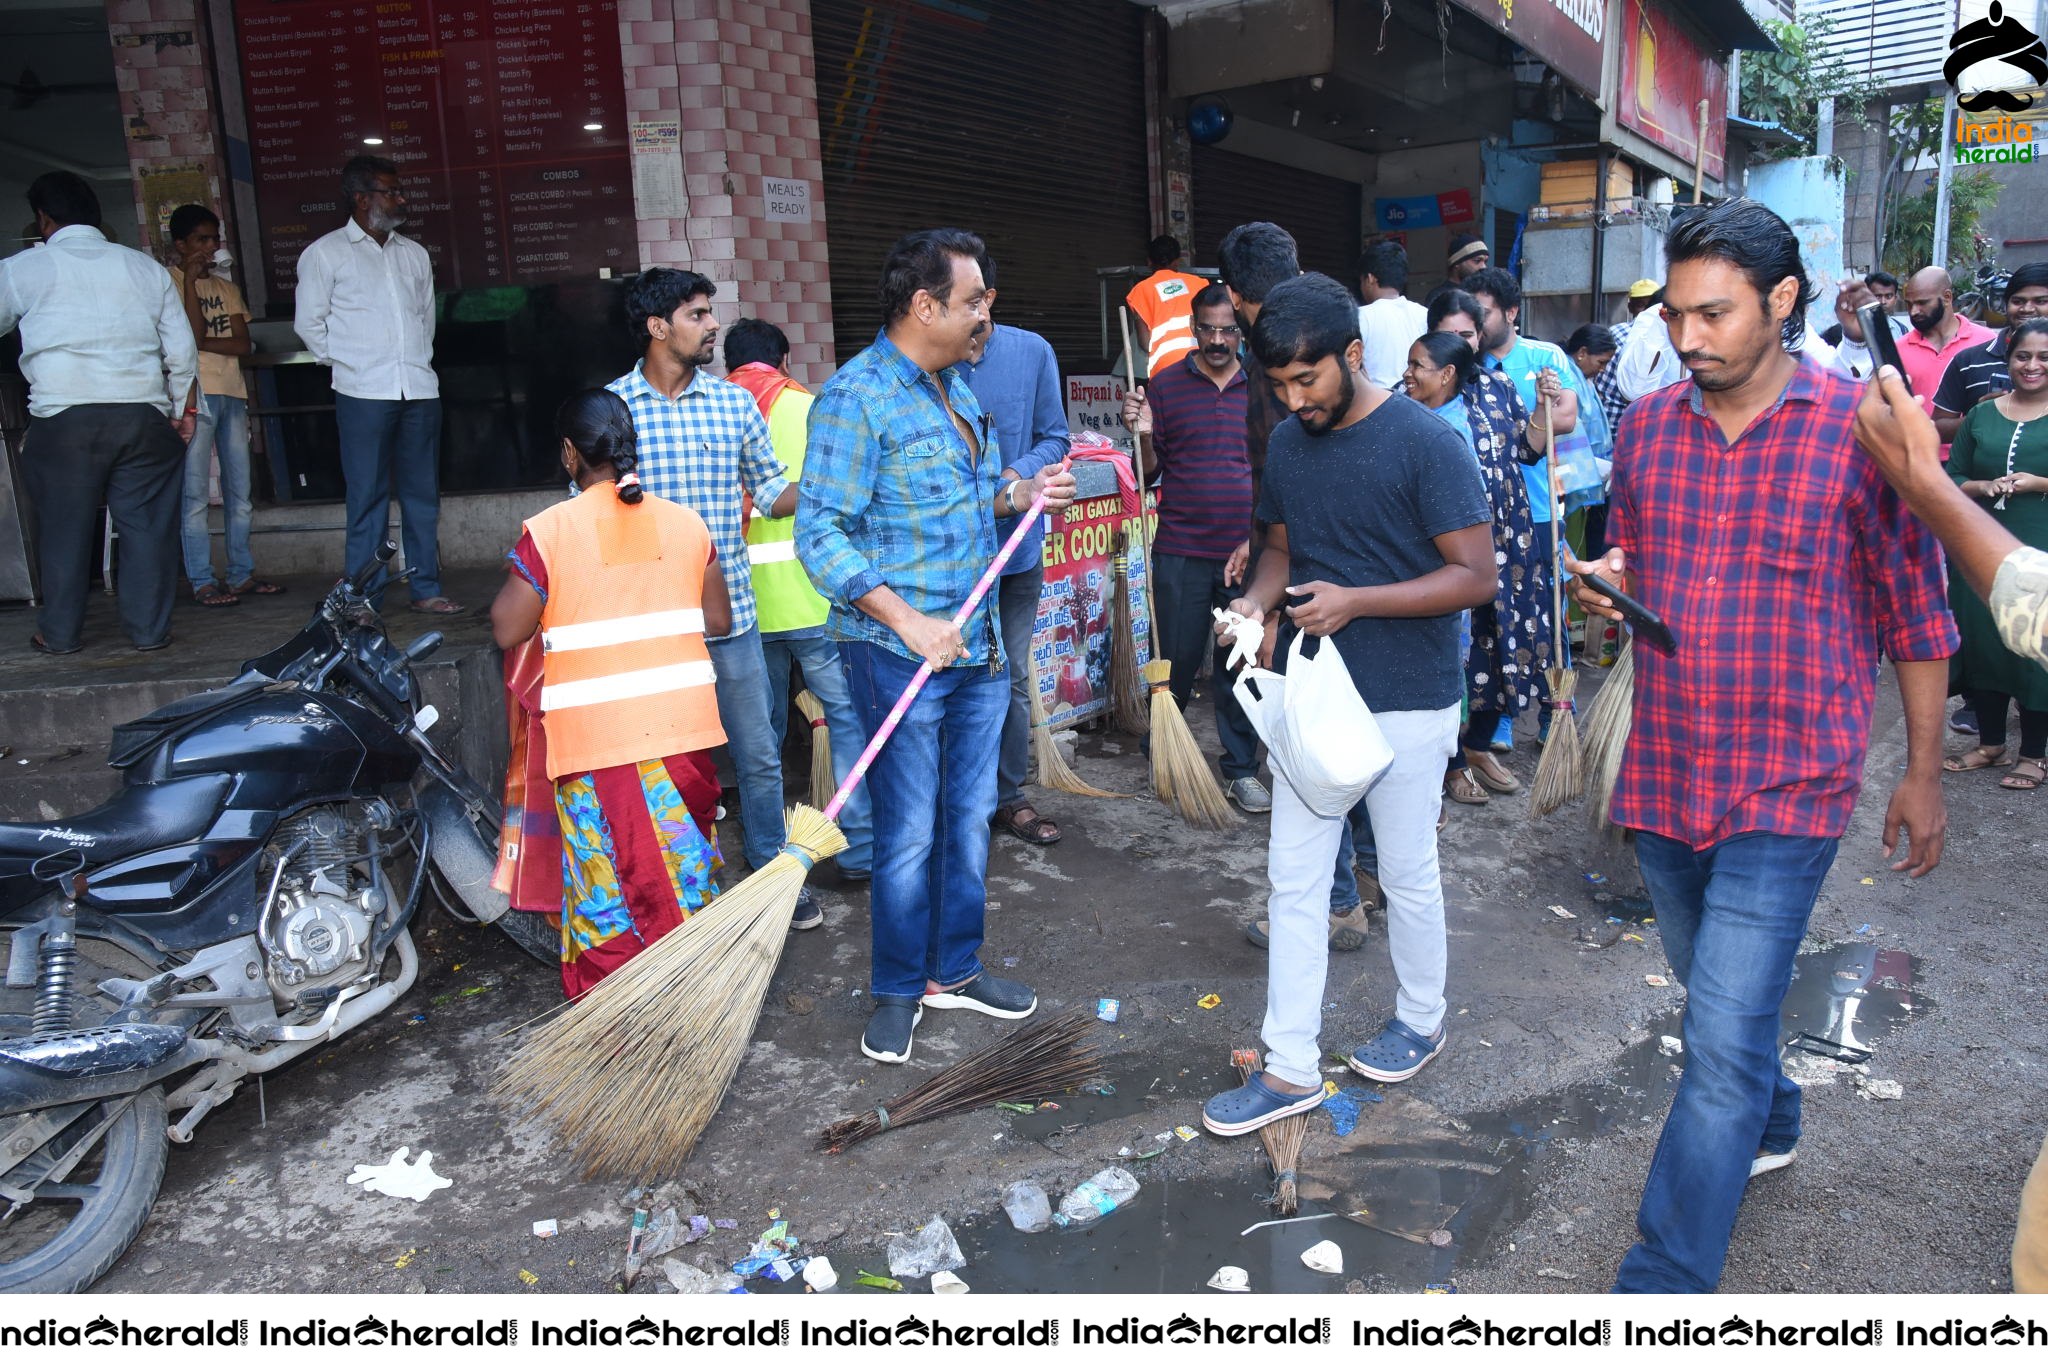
(365, 306)
(1197, 456)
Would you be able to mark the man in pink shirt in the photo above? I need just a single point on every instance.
(1937, 335)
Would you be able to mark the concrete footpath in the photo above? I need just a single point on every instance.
(1513, 1163)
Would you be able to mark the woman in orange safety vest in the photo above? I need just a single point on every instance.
(622, 588)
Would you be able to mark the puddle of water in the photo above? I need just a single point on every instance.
(1417, 1173)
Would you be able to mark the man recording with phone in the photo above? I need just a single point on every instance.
(1744, 516)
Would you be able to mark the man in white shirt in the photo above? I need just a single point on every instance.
(1389, 322)
(366, 308)
(111, 367)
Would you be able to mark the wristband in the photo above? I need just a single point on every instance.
(1010, 496)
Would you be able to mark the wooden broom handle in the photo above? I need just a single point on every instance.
(1560, 628)
(1138, 472)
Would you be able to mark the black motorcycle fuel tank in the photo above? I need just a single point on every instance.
(284, 747)
(284, 744)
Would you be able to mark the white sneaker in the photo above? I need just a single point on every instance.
(1771, 1162)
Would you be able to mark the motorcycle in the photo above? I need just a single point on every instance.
(245, 898)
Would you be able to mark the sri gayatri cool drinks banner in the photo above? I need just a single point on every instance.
(1071, 647)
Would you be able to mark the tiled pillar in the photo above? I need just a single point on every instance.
(740, 76)
(160, 69)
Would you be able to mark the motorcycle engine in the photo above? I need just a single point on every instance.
(318, 934)
(316, 931)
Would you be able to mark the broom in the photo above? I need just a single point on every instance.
(1607, 726)
(1053, 770)
(1560, 776)
(1283, 1139)
(821, 747)
(1180, 772)
(1126, 695)
(1049, 1056)
(630, 1074)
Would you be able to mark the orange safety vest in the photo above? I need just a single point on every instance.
(1166, 301)
(627, 675)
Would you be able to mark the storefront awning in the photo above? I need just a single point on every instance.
(1728, 24)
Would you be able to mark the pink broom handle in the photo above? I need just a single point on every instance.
(924, 671)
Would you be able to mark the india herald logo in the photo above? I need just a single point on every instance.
(1992, 60)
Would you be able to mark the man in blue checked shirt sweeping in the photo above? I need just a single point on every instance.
(903, 484)
(700, 439)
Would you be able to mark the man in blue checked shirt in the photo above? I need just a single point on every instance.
(903, 484)
(700, 439)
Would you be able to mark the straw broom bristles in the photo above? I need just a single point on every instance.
(630, 1075)
(1560, 776)
(1607, 726)
(823, 785)
(1050, 1056)
(1126, 693)
(1053, 770)
(1180, 772)
(1283, 1139)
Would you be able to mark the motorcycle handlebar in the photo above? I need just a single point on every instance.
(366, 576)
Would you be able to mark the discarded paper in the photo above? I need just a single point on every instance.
(396, 1177)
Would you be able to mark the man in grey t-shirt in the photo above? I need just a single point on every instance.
(1380, 535)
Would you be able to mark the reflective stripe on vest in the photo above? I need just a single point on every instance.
(618, 631)
(1173, 338)
(639, 683)
(771, 552)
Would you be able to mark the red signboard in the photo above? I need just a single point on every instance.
(1455, 206)
(1666, 70)
(507, 121)
(1566, 34)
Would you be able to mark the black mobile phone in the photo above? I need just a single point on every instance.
(1877, 337)
(1647, 624)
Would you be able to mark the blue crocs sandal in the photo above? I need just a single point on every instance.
(1396, 1054)
(1253, 1106)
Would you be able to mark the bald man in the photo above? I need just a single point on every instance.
(1939, 334)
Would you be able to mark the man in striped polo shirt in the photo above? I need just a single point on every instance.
(1197, 455)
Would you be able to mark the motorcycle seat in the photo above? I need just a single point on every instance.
(142, 816)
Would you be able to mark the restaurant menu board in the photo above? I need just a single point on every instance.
(507, 122)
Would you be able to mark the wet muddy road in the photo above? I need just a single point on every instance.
(1513, 1163)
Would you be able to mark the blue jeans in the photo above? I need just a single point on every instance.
(1017, 606)
(223, 430)
(934, 791)
(1732, 916)
(393, 446)
(746, 711)
(1356, 845)
(825, 676)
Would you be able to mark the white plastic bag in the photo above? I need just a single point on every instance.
(1319, 733)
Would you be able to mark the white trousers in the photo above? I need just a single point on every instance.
(1300, 862)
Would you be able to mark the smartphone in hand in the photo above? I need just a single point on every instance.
(1645, 623)
(1877, 336)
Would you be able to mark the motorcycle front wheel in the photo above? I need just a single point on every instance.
(78, 1227)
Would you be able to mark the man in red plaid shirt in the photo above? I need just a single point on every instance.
(1743, 514)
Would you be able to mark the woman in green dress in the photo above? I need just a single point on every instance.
(2000, 458)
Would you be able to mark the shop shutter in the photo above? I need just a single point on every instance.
(1323, 213)
(1022, 120)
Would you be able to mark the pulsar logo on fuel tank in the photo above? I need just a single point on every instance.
(308, 716)
(66, 834)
